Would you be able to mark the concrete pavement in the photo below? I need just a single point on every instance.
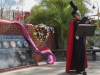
(56, 69)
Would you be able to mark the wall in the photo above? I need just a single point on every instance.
(50, 42)
(14, 29)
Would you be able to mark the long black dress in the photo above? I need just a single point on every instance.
(79, 47)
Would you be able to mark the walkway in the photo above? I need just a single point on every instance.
(56, 69)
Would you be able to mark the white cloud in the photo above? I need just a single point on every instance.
(29, 4)
(26, 6)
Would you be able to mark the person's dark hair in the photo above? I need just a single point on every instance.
(77, 12)
(73, 13)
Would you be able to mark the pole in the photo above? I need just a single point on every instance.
(98, 11)
(98, 16)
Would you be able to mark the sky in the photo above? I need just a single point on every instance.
(28, 4)
(96, 3)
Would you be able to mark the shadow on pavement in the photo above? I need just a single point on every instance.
(70, 73)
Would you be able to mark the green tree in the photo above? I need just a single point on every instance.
(93, 39)
(96, 24)
(56, 13)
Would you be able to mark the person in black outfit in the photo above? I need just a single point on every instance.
(79, 42)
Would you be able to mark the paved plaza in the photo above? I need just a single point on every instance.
(56, 69)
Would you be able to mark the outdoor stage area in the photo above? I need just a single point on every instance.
(55, 69)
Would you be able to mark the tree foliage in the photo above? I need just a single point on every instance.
(56, 13)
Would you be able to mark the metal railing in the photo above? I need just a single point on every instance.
(91, 54)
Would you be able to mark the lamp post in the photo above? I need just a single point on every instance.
(97, 10)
